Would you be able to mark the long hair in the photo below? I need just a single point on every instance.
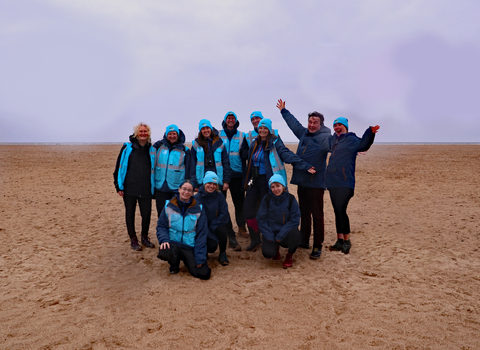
(202, 141)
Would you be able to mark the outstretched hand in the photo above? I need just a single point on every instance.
(280, 104)
(375, 128)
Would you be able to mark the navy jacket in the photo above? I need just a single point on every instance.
(341, 165)
(278, 220)
(215, 207)
(312, 148)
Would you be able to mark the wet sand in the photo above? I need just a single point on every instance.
(69, 280)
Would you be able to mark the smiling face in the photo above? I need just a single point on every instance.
(314, 124)
(277, 188)
(230, 121)
(255, 121)
(339, 128)
(172, 136)
(143, 134)
(263, 132)
(185, 192)
(210, 187)
(206, 132)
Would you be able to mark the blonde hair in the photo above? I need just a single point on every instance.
(136, 128)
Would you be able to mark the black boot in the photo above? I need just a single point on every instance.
(146, 242)
(338, 246)
(255, 240)
(346, 246)
(232, 242)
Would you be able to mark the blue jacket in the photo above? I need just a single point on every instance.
(222, 163)
(286, 156)
(188, 230)
(173, 164)
(277, 219)
(215, 207)
(312, 148)
(341, 165)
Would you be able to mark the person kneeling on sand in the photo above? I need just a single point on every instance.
(278, 218)
(182, 233)
(216, 208)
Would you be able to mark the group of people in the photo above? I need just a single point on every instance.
(190, 188)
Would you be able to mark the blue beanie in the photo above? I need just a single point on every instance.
(230, 113)
(210, 176)
(256, 114)
(266, 123)
(277, 178)
(341, 120)
(204, 123)
(172, 127)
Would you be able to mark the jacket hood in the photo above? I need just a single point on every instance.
(235, 127)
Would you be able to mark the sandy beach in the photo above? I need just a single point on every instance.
(69, 280)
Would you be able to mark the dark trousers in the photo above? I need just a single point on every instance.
(238, 198)
(253, 197)
(310, 201)
(340, 197)
(145, 205)
(221, 234)
(161, 198)
(291, 241)
(175, 254)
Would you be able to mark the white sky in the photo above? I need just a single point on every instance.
(89, 70)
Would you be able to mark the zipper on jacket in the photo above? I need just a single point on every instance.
(344, 175)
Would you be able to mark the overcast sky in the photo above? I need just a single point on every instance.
(89, 70)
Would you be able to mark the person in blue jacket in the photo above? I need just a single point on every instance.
(278, 218)
(267, 156)
(313, 147)
(340, 175)
(209, 154)
(237, 150)
(173, 164)
(134, 182)
(216, 208)
(182, 231)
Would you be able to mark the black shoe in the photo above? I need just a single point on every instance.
(254, 245)
(338, 246)
(316, 253)
(174, 270)
(134, 244)
(232, 243)
(346, 246)
(146, 242)
(222, 258)
(255, 240)
(304, 246)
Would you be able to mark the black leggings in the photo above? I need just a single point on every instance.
(340, 197)
(238, 197)
(161, 198)
(145, 205)
(254, 196)
(291, 241)
(175, 254)
(221, 233)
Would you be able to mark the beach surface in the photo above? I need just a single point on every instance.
(69, 280)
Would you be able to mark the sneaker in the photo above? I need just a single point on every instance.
(134, 244)
(222, 258)
(146, 242)
(338, 246)
(346, 246)
(304, 246)
(288, 261)
(242, 232)
(316, 253)
(232, 243)
(174, 270)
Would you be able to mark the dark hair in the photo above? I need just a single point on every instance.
(318, 115)
(202, 141)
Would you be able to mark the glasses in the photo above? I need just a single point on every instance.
(186, 189)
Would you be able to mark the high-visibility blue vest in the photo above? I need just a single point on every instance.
(122, 170)
(200, 167)
(182, 228)
(278, 167)
(233, 146)
(170, 167)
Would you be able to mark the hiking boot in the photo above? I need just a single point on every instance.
(242, 232)
(316, 253)
(288, 261)
(232, 243)
(146, 242)
(255, 240)
(346, 246)
(304, 245)
(338, 246)
(174, 270)
(277, 256)
(222, 258)
(134, 244)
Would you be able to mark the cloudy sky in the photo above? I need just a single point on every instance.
(89, 70)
